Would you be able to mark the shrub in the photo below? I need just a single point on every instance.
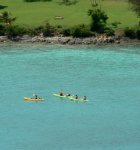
(81, 31)
(138, 33)
(48, 30)
(2, 30)
(109, 31)
(66, 32)
(6, 18)
(115, 24)
(129, 32)
(37, 30)
(13, 31)
(99, 19)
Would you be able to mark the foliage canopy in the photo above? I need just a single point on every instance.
(99, 19)
(7, 18)
(136, 6)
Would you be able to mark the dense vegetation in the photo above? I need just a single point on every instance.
(96, 18)
(99, 20)
(136, 6)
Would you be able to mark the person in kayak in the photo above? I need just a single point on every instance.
(61, 93)
(76, 96)
(84, 98)
(68, 94)
(36, 96)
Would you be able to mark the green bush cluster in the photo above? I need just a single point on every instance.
(15, 30)
(132, 33)
(99, 20)
(81, 31)
(2, 30)
(109, 31)
(48, 30)
(138, 34)
(78, 31)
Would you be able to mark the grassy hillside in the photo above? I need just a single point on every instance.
(37, 13)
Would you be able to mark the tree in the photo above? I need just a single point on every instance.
(7, 18)
(136, 6)
(99, 19)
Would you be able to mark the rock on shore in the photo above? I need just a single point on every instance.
(97, 40)
(72, 40)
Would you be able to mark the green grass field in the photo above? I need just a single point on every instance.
(37, 13)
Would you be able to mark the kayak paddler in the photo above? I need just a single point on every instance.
(84, 98)
(61, 93)
(76, 96)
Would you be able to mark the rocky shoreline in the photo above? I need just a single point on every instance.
(98, 40)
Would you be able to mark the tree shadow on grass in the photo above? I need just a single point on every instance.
(2, 7)
(69, 2)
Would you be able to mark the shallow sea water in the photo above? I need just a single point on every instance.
(108, 76)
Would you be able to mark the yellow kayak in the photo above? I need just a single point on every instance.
(33, 99)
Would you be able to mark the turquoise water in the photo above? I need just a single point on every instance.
(108, 76)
